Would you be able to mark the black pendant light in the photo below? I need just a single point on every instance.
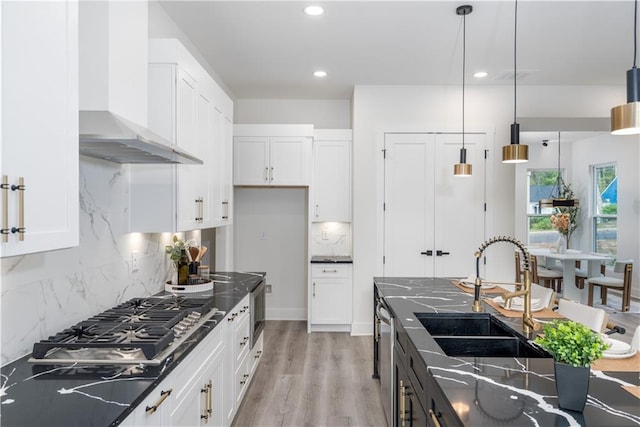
(515, 152)
(463, 168)
(625, 119)
(559, 201)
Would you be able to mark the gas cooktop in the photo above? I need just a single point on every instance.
(141, 330)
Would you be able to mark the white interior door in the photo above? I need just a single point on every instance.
(408, 208)
(459, 205)
(433, 221)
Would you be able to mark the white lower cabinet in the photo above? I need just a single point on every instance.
(330, 297)
(207, 387)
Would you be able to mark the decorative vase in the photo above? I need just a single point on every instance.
(562, 244)
(572, 386)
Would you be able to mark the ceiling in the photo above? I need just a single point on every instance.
(269, 49)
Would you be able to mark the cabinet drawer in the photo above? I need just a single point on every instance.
(241, 338)
(330, 270)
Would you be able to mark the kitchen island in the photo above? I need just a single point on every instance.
(486, 391)
(104, 395)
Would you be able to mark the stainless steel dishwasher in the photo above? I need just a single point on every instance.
(385, 362)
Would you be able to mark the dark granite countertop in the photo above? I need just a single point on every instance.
(501, 391)
(57, 395)
(331, 259)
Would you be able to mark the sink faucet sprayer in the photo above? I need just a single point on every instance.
(527, 321)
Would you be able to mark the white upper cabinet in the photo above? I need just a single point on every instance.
(39, 125)
(331, 186)
(272, 155)
(187, 108)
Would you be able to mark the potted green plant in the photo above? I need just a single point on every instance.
(573, 346)
(177, 254)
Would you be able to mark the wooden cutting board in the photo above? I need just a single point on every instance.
(545, 313)
(630, 364)
(496, 290)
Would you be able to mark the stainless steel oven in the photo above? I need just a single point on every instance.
(257, 310)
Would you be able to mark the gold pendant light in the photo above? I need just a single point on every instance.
(625, 119)
(463, 168)
(515, 152)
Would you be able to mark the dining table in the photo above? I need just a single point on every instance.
(568, 261)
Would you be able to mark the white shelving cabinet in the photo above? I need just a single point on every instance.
(331, 185)
(189, 109)
(330, 296)
(272, 155)
(39, 125)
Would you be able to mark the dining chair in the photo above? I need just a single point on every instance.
(635, 340)
(593, 318)
(623, 283)
(581, 275)
(547, 277)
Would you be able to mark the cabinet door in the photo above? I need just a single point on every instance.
(329, 301)
(205, 178)
(251, 160)
(39, 125)
(289, 160)
(154, 410)
(222, 169)
(332, 181)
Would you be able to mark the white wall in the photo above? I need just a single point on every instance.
(379, 107)
(271, 235)
(323, 114)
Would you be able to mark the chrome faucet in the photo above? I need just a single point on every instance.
(525, 291)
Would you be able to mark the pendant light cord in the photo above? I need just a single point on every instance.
(464, 63)
(635, 32)
(515, 35)
(558, 178)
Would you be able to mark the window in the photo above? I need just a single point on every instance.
(541, 184)
(605, 209)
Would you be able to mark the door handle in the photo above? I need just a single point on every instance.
(427, 253)
(440, 253)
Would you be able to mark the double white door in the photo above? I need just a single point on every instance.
(433, 220)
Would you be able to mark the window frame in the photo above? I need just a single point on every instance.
(595, 197)
(549, 211)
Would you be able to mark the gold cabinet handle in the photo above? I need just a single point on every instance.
(402, 403)
(205, 415)
(210, 407)
(271, 174)
(314, 289)
(317, 211)
(5, 209)
(258, 353)
(434, 418)
(329, 271)
(266, 173)
(20, 189)
(244, 379)
(244, 340)
(163, 396)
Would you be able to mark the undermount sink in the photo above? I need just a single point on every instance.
(477, 334)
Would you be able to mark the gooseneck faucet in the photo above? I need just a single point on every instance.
(527, 320)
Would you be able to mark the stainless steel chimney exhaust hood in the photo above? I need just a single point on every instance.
(107, 136)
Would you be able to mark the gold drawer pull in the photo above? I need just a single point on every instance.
(434, 418)
(163, 396)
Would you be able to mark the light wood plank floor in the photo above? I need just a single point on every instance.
(318, 379)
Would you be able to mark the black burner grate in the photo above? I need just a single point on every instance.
(140, 323)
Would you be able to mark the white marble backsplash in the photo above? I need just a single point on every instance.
(331, 238)
(46, 292)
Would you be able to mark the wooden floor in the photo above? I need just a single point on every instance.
(318, 379)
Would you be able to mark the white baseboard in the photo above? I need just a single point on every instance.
(363, 328)
(286, 314)
(330, 328)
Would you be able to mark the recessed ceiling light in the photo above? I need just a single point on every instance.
(320, 73)
(314, 10)
(480, 74)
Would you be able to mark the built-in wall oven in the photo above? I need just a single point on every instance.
(257, 308)
(382, 355)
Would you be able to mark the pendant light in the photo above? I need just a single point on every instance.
(515, 152)
(558, 202)
(625, 119)
(463, 168)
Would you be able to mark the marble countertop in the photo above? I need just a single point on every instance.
(56, 395)
(501, 391)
